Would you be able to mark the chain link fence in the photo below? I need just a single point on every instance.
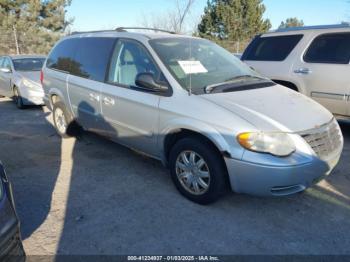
(13, 41)
(234, 46)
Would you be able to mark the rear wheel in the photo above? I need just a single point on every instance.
(198, 170)
(17, 98)
(63, 121)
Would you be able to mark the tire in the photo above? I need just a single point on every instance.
(64, 123)
(213, 172)
(17, 98)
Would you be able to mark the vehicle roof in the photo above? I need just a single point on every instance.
(14, 57)
(134, 35)
(345, 27)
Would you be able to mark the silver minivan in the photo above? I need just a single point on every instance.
(214, 122)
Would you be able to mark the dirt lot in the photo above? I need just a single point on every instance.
(94, 197)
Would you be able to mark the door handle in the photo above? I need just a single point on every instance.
(94, 97)
(303, 71)
(108, 101)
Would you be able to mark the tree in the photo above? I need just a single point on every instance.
(36, 24)
(173, 20)
(233, 20)
(291, 22)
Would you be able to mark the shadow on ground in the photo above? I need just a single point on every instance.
(120, 202)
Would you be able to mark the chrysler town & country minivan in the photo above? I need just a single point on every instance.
(213, 121)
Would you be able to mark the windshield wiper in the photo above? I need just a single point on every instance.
(208, 89)
(245, 76)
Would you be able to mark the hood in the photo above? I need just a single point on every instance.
(274, 108)
(31, 75)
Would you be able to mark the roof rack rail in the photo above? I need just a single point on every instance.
(124, 29)
(342, 25)
(91, 32)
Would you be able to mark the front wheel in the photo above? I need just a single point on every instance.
(17, 98)
(198, 170)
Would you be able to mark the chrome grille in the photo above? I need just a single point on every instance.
(325, 140)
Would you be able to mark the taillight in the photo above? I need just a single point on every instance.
(41, 76)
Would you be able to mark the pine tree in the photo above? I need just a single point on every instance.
(37, 24)
(291, 22)
(233, 20)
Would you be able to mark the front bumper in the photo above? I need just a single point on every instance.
(277, 180)
(32, 96)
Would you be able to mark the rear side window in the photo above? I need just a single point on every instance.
(274, 48)
(7, 64)
(92, 57)
(86, 57)
(62, 57)
(329, 49)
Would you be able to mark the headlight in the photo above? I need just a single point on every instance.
(278, 144)
(29, 84)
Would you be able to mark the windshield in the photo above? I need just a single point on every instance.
(28, 64)
(199, 64)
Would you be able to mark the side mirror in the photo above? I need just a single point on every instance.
(146, 80)
(5, 70)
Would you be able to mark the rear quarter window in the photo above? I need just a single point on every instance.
(272, 48)
(62, 56)
(330, 49)
(86, 57)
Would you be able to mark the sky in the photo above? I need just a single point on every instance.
(108, 14)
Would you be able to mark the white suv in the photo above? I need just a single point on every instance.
(311, 60)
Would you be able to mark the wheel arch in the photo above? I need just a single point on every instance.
(176, 135)
(288, 84)
(55, 95)
(208, 134)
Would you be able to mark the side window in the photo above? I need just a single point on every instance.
(329, 49)
(7, 63)
(130, 59)
(1, 61)
(92, 57)
(273, 48)
(62, 57)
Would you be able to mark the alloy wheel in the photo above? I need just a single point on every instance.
(60, 120)
(193, 172)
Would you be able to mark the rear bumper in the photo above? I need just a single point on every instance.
(271, 180)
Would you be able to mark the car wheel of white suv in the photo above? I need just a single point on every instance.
(198, 170)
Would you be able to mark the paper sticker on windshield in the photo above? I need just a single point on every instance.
(192, 67)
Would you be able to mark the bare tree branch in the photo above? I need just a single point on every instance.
(172, 20)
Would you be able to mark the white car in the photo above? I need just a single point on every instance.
(20, 79)
(311, 60)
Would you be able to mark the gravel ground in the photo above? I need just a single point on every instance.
(90, 196)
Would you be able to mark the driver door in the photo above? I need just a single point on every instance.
(130, 113)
